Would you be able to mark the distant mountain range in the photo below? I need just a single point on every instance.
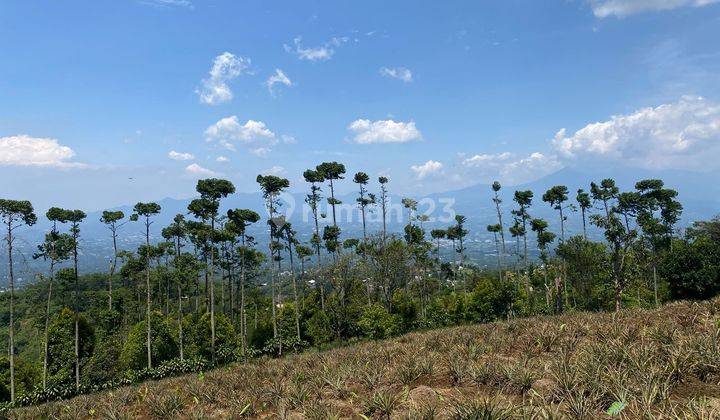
(698, 192)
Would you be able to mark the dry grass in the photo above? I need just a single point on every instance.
(662, 364)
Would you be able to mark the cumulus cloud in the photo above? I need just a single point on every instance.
(196, 170)
(427, 169)
(508, 167)
(229, 131)
(23, 150)
(623, 8)
(215, 88)
(479, 160)
(222, 159)
(180, 155)
(275, 170)
(400, 73)
(384, 131)
(278, 78)
(679, 135)
(323, 52)
(260, 151)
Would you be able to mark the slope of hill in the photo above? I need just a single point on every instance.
(661, 363)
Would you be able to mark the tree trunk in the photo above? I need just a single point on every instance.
(47, 323)
(148, 292)
(11, 326)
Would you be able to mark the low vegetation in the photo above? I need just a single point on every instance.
(661, 363)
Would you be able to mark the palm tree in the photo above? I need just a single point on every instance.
(14, 214)
(271, 187)
(75, 217)
(583, 200)
(146, 211)
(111, 219)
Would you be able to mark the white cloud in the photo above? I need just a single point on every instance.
(623, 8)
(384, 131)
(222, 159)
(483, 159)
(229, 131)
(260, 151)
(508, 167)
(23, 150)
(679, 135)
(180, 156)
(427, 169)
(215, 88)
(320, 53)
(275, 170)
(168, 3)
(287, 139)
(278, 78)
(196, 170)
(400, 73)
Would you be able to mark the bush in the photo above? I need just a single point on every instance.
(198, 335)
(61, 346)
(318, 328)
(376, 323)
(693, 269)
(162, 345)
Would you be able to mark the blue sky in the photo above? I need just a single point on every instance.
(437, 95)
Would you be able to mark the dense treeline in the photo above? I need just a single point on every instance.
(205, 294)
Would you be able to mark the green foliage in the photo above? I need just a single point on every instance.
(61, 345)
(376, 323)
(693, 269)
(197, 334)
(162, 345)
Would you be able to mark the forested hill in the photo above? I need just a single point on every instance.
(698, 194)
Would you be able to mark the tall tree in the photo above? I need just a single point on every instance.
(146, 211)
(523, 200)
(332, 172)
(495, 229)
(383, 204)
(315, 179)
(458, 233)
(271, 187)
(177, 232)
(14, 214)
(211, 191)
(556, 196)
(364, 199)
(545, 238)
(657, 212)
(411, 206)
(291, 241)
(618, 235)
(56, 248)
(242, 219)
(583, 200)
(113, 221)
(75, 217)
(497, 200)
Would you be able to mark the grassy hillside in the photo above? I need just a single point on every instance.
(660, 363)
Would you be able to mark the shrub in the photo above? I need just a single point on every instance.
(162, 345)
(376, 323)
